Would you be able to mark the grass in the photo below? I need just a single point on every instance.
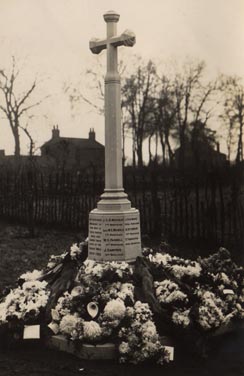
(20, 253)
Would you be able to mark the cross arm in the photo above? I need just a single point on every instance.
(126, 39)
(97, 45)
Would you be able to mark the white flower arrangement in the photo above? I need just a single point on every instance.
(93, 269)
(54, 260)
(193, 269)
(75, 251)
(160, 258)
(98, 270)
(140, 340)
(178, 266)
(103, 305)
(168, 292)
(32, 276)
(142, 310)
(24, 301)
(181, 318)
(210, 311)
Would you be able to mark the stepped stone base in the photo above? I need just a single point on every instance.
(106, 351)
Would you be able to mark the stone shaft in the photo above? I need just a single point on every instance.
(113, 145)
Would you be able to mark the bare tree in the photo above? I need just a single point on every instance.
(14, 106)
(165, 117)
(76, 93)
(233, 113)
(138, 95)
(193, 101)
(30, 138)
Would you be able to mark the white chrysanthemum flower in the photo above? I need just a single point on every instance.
(115, 309)
(34, 285)
(3, 313)
(31, 306)
(193, 270)
(224, 278)
(149, 349)
(89, 264)
(14, 295)
(148, 329)
(69, 323)
(126, 290)
(74, 334)
(74, 251)
(139, 306)
(130, 311)
(93, 268)
(56, 259)
(42, 299)
(124, 348)
(91, 330)
(32, 276)
(161, 258)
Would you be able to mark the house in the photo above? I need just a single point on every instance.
(73, 153)
(62, 153)
(201, 155)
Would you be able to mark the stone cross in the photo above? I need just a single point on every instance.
(114, 228)
(113, 146)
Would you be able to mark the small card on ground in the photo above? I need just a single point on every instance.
(170, 349)
(31, 332)
(228, 291)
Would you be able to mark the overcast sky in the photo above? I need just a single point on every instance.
(50, 41)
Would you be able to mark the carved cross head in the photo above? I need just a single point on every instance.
(127, 38)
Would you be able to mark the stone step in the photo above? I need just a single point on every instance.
(105, 351)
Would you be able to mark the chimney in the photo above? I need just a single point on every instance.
(218, 148)
(55, 132)
(92, 135)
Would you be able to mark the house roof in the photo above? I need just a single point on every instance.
(84, 143)
(203, 148)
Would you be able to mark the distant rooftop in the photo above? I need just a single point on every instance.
(89, 143)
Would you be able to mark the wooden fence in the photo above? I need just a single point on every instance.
(209, 208)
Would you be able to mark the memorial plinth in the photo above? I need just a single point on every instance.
(114, 236)
(114, 227)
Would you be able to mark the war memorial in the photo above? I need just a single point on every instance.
(109, 297)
